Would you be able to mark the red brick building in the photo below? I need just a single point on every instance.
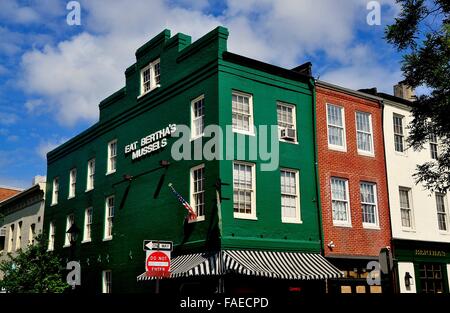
(353, 188)
(7, 192)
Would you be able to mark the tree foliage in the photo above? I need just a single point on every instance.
(34, 270)
(422, 33)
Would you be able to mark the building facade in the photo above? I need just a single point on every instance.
(254, 187)
(419, 217)
(353, 185)
(21, 219)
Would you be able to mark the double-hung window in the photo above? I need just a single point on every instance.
(150, 76)
(87, 225)
(433, 146)
(107, 281)
(336, 127)
(70, 220)
(51, 237)
(286, 121)
(405, 207)
(442, 215)
(290, 199)
(72, 182)
(368, 194)
(109, 216)
(242, 112)
(197, 117)
(340, 202)
(32, 234)
(398, 133)
(198, 191)
(244, 190)
(364, 135)
(55, 190)
(112, 156)
(90, 174)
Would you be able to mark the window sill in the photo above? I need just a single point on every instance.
(296, 221)
(148, 91)
(294, 142)
(408, 230)
(245, 216)
(53, 204)
(110, 172)
(107, 239)
(371, 226)
(198, 219)
(367, 154)
(71, 197)
(403, 154)
(342, 225)
(87, 190)
(337, 148)
(86, 241)
(66, 246)
(243, 132)
(444, 233)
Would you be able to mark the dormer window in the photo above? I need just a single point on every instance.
(150, 77)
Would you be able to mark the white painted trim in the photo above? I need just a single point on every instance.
(344, 139)
(294, 118)
(193, 137)
(347, 223)
(191, 189)
(363, 152)
(253, 215)
(251, 124)
(298, 218)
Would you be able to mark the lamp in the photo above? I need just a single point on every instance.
(72, 234)
(408, 279)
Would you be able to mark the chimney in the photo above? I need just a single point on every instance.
(405, 92)
(38, 179)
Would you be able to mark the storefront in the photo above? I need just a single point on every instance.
(422, 267)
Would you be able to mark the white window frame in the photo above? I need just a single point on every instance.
(402, 135)
(297, 219)
(370, 133)
(72, 183)
(193, 202)
(152, 79)
(87, 229)
(251, 126)
(375, 225)
(51, 236)
(445, 213)
(107, 281)
(109, 218)
(90, 177)
(70, 220)
(55, 190)
(411, 209)
(294, 121)
(111, 166)
(11, 238)
(348, 222)
(194, 134)
(344, 133)
(18, 244)
(434, 148)
(252, 215)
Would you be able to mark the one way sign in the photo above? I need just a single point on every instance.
(157, 245)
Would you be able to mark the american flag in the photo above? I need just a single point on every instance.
(192, 215)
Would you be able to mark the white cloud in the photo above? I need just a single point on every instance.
(11, 10)
(73, 76)
(48, 145)
(8, 118)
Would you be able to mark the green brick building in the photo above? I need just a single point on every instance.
(111, 180)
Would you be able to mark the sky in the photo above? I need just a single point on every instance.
(53, 75)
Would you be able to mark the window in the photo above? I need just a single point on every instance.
(398, 133)
(290, 202)
(434, 146)
(198, 191)
(336, 127)
(286, 121)
(55, 190)
(32, 234)
(197, 117)
(109, 215)
(244, 190)
(364, 132)
(112, 157)
(340, 201)
(19, 235)
(90, 175)
(72, 182)
(51, 237)
(70, 220)
(441, 204)
(150, 77)
(368, 193)
(106, 281)
(431, 279)
(405, 207)
(242, 109)
(11, 237)
(87, 225)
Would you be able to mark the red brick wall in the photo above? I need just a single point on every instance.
(355, 240)
(6, 193)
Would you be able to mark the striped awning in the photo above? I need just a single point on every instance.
(271, 264)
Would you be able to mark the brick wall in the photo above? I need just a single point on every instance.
(355, 240)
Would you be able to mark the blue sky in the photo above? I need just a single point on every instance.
(52, 75)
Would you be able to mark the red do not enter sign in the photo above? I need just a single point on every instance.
(158, 263)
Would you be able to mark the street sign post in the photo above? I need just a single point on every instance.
(157, 258)
(150, 245)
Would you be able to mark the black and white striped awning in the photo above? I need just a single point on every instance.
(271, 264)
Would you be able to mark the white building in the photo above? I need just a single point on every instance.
(419, 218)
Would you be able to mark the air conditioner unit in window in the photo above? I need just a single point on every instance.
(288, 134)
(3, 231)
